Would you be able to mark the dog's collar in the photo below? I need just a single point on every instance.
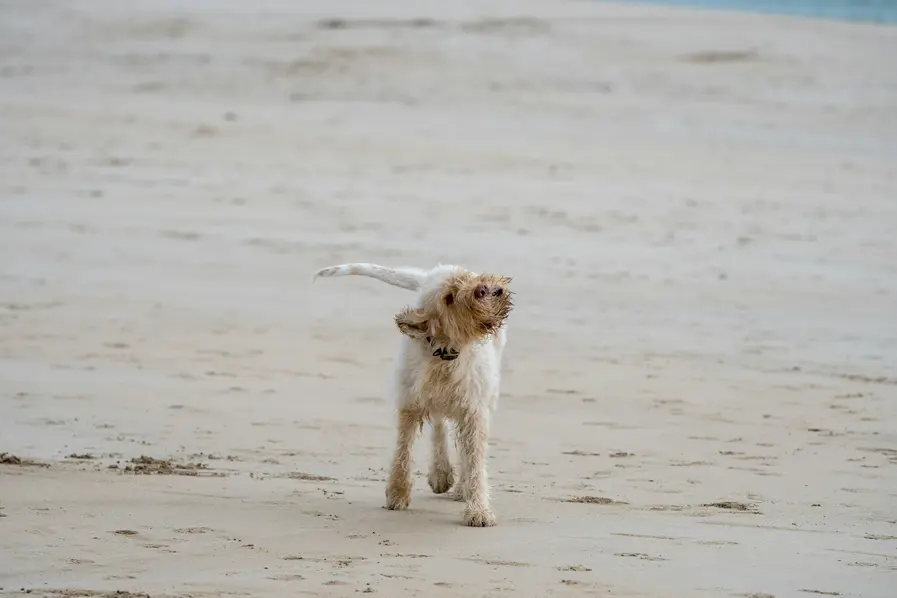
(443, 353)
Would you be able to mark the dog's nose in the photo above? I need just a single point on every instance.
(480, 291)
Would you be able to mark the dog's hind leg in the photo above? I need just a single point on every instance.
(461, 490)
(398, 488)
(460, 493)
(441, 477)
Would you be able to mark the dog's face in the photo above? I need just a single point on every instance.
(462, 308)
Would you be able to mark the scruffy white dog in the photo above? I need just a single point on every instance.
(449, 368)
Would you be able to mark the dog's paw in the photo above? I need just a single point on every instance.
(398, 497)
(479, 517)
(441, 480)
(458, 495)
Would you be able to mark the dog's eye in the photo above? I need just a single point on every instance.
(449, 299)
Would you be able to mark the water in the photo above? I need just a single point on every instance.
(877, 11)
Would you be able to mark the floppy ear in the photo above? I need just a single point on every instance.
(413, 322)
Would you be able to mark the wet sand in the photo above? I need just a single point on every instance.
(698, 211)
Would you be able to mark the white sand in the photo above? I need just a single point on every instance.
(699, 211)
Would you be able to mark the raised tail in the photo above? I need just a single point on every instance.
(405, 278)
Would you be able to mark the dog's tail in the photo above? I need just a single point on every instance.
(405, 278)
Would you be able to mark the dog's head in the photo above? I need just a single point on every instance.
(457, 308)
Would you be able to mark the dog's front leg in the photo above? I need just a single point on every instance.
(473, 436)
(398, 487)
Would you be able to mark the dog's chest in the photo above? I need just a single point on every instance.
(449, 388)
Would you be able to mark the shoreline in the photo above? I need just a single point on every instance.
(834, 10)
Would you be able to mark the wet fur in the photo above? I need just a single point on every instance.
(448, 313)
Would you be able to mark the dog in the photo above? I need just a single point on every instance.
(448, 371)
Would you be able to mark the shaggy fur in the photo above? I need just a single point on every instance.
(449, 370)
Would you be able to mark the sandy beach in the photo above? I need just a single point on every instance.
(698, 210)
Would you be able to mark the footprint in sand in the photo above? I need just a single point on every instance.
(641, 555)
(192, 530)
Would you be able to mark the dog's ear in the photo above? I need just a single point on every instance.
(413, 322)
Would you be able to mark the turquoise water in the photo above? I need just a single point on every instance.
(877, 11)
